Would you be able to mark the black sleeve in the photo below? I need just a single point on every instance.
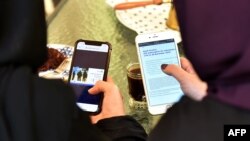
(122, 128)
(83, 130)
(58, 118)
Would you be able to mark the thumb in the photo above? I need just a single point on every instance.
(100, 86)
(175, 71)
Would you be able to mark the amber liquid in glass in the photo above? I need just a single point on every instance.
(135, 84)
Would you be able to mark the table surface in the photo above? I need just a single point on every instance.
(95, 20)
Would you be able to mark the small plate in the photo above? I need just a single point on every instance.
(67, 50)
(63, 70)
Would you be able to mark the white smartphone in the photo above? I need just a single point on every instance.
(161, 90)
(89, 64)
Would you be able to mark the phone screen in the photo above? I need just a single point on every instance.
(89, 64)
(161, 89)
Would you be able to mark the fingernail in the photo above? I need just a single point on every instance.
(163, 66)
(90, 90)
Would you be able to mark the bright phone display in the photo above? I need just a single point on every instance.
(89, 64)
(161, 90)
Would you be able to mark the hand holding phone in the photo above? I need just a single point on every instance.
(89, 64)
(189, 80)
(161, 90)
(112, 102)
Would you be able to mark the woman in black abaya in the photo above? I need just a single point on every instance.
(36, 109)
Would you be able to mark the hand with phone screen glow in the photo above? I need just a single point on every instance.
(191, 84)
(112, 102)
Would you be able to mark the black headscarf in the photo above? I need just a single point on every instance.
(216, 38)
(23, 33)
(32, 108)
(36, 109)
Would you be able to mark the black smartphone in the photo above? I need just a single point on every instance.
(89, 64)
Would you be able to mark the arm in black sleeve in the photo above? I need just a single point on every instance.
(55, 104)
(122, 128)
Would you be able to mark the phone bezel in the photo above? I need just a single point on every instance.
(97, 43)
(142, 38)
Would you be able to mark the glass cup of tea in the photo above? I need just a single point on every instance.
(135, 86)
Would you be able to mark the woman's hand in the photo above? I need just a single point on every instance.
(190, 82)
(112, 102)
